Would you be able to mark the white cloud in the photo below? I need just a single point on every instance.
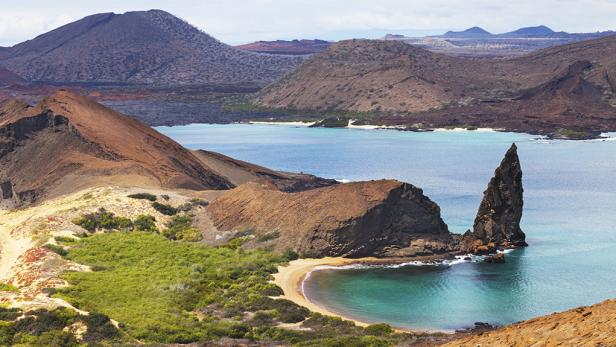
(236, 21)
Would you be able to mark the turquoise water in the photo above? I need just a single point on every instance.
(569, 218)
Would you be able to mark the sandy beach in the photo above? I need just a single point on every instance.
(290, 279)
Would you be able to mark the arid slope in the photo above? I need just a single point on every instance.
(68, 142)
(8, 78)
(565, 87)
(583, 326)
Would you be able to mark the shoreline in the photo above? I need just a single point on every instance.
(292, 276)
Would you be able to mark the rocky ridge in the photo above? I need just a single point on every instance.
(68, 142)
(293, 47)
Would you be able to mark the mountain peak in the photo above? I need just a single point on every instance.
(474, 31)
(531, 31)
(152, 47)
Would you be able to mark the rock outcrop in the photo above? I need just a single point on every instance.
(383, 218)
(497, 224)
(374, 218)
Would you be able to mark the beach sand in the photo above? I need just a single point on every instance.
(290, 279)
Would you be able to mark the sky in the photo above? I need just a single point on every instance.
(237, 22)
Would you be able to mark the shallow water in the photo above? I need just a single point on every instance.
(569, 218)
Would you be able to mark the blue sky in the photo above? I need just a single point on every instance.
(235, 22)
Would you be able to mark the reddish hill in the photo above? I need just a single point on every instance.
(294, 47)
(67, 142)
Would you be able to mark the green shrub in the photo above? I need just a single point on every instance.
(65, 239)
(103, 220)
(124, 224)
(164, 208)
(56, 249)
(290, 255)
(381, 329)
(143, 196)
(263, 318)
(180, 228)
(9, 314)
(145, 223)
(99, 327)
(7, 287)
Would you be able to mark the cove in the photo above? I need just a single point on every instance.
(569, 218)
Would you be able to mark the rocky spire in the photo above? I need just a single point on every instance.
(497, 224)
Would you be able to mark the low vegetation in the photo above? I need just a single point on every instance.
(143, 196)
(103, 220)
(164, 291)
(54, 328)
(180, 228)
(332, 122)
(165, 209)
(573, 134)
(7, 287)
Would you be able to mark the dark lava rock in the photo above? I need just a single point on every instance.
(498, 220)
(497, 258)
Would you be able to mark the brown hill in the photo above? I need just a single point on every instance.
(67, 142)
(365, 75)
(352, 219)
(8, 78)
(151, 47)
(565, 87)
(583, 326)
(294, 47)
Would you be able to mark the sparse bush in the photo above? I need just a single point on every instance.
(381, 329)
(9, 314)
(65, 239)
(103, 220)
(7, 287)
(145, 223)
(290, 255)
(180, 228)
(99, 327)
(143, 196)
(56, 249)
(164, 208)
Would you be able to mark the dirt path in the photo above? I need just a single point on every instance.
(11, 247)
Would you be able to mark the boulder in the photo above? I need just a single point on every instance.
(497, 258)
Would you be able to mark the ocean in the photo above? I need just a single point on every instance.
(569, 218)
